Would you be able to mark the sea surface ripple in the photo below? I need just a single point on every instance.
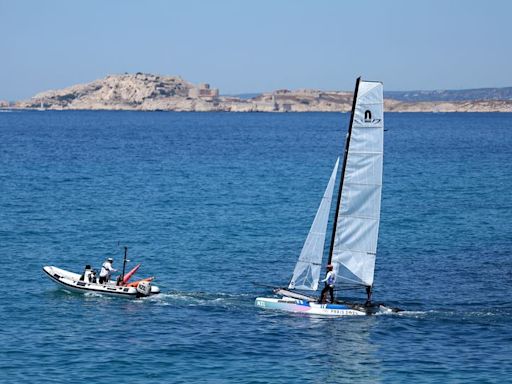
(212, 203)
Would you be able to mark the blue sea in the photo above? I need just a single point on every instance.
(216, 206)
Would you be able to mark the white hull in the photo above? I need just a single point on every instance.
(308, 307)
(71, 282)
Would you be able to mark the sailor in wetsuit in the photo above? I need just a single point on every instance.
(106, 271)
(330, 280)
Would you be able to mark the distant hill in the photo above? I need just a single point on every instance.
(149, 92)
(452, 95)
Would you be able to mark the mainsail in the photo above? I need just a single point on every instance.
(307, 269)
(358, 213)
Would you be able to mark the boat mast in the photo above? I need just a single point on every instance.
(345, 155)
(124, 261)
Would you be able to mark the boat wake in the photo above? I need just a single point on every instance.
(412, 314)
(93, 294)
(183, 299)
(482, 314)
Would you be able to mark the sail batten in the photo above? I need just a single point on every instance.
(358, 215)
(307, 270)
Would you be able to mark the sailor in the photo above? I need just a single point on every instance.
(106, 270)
(330, 280)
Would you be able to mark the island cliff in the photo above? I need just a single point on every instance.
(148, 92)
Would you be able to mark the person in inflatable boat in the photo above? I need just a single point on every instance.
(106, 270)
(330, 280)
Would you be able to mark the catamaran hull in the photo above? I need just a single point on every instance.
(308, 307)
(71, 282)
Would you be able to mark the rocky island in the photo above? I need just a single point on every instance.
(149, 92)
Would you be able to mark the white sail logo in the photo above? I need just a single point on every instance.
(368, 119)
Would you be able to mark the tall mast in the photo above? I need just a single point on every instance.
(124, 261)
(347, 144)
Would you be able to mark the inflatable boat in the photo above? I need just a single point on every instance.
(87, 282)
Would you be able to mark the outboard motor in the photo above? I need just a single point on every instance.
(144, 288)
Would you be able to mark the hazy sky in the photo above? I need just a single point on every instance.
(250, 46)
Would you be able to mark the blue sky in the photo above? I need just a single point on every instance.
(251, 46)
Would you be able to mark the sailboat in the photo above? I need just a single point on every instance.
(356, 220)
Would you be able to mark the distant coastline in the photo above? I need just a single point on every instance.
(149, 92)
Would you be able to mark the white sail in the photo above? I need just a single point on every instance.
(307, 269)
(357, 228)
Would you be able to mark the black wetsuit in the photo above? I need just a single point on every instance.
(324, 292)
